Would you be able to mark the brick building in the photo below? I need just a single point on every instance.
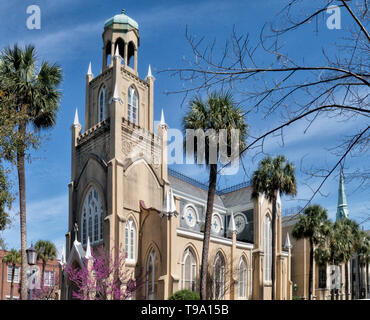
(51, 277)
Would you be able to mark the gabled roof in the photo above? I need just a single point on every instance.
(237, 195)
(77, 253)
(290, 220)
(191, 189)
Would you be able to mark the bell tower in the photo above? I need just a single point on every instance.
(117, 159)
(123, 32)
(119, 78)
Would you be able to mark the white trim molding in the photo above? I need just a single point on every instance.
(199, 236)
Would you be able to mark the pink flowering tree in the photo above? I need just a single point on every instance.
(46, 293)
(104, 276)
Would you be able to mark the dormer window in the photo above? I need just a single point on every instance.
(132, 107)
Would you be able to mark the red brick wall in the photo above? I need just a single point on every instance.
(5, 285)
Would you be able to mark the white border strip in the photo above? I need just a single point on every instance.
(200, 236)
(242, 245)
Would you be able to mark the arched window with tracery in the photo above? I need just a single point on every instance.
(132, 106)
(189, 270)
(267, 248)
(150, 276)
(92, 217)
(130, 240)
(242, 275)
(102, 104)
(219, 277)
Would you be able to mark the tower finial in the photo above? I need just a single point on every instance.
(166, 203)
(116, 54)
(342, 209)
(232, 226)
(163, 122)
(172, 203)
(76, 121)
(89, 72)
(149, 75)
(287, 244)
(88, 254)
(116, 96)
(63, 256)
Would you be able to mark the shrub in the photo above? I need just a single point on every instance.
(185, 295)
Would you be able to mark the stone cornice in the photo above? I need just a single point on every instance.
(92, 132)
(133, 76)
(105, 73)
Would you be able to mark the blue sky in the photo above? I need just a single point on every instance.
(70, 35)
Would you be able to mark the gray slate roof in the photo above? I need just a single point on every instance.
(192, 190)
(237, 197)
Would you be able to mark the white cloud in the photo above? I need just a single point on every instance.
(63, 42)
(46, 219)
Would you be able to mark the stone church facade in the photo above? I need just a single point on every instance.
(122, 193)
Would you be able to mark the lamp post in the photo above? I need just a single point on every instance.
(31, 259)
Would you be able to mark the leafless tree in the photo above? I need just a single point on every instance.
(272, 80)
(220, 281)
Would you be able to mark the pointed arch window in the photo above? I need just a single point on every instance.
(92, 217)
(267, 248)
(242, 278)
(150, 284)
(219, 277)
(189, 270)
(130, 240)
(132, 107)
(102, 104)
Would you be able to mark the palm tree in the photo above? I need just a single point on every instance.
(218, 112)
(311, 225)
(46, 251)
(35, 102)
(364, 254)
(346, 232)
(338, 246)
(362, 249)
(329, 248)
(274, 176)
(13, 258)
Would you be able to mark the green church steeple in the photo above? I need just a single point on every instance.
(342, 209)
